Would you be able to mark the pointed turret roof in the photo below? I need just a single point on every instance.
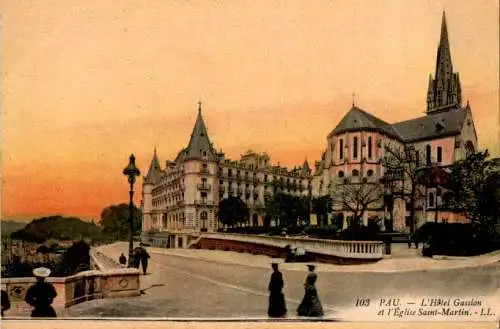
(199, 144)
(153, 175)
(305, 167)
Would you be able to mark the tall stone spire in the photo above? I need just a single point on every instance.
(199, 146)
(444, 91)
(153, 175)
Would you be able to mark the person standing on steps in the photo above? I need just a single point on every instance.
(41, 295)
(277, 306)
(310, 305)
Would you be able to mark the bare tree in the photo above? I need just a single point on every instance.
(357, 198)
(403, 168)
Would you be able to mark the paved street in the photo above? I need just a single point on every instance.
(190, 287)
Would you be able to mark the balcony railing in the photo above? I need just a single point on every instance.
(204, 170)
(203, 202)
(204, 187)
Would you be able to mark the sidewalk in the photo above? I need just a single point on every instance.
(410, 261)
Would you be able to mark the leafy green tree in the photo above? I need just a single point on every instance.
(474, 184)
(115, 221)
(233, 211)
(57, 228)
(288, 210)
(322, 206)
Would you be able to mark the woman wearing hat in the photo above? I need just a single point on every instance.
(277, 306)
(41, 295)
(310, 305)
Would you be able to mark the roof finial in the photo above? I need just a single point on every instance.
(199, 106)
(353, 100)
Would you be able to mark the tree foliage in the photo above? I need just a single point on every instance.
(232, 211)
(115, 221)
(57, 228)
(288, 210)
(322, 206)
(475, 188)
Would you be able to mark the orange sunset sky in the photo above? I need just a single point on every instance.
(86, 83)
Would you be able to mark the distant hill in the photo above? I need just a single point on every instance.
(10, 226)
(58, 228)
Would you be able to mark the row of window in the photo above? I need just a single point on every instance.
(355, 148)
(428, 154)
(355, 173)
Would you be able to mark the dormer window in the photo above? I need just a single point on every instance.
(439, 127)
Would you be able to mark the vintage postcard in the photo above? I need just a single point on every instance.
(234, 164)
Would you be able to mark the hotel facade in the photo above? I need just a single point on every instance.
(182, 196)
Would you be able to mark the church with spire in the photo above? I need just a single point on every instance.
(358, 146)
(182, 197)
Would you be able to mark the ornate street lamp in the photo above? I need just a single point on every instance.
(131, 171)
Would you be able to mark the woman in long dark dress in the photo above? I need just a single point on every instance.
(310, 305)
(277, 306)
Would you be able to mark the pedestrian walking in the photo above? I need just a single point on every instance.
(409, 241)
(415, 239)
(144, 260)
(310, 305)
(277, 305)
(137, 257)
(123, 260)
(41, 295)
(5, 301)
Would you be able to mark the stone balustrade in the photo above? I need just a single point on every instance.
(340, 248)
(108, 281)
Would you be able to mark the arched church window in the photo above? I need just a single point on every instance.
(355, 148)
(341, 149)
(355, 172)
(341, 174)
(369, 147)
(369, 173)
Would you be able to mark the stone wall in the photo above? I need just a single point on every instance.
(271, 251)
(104, 283)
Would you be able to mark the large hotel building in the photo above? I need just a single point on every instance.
(181, 197)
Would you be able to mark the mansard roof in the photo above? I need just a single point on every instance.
(432, 126)
(357, 119)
